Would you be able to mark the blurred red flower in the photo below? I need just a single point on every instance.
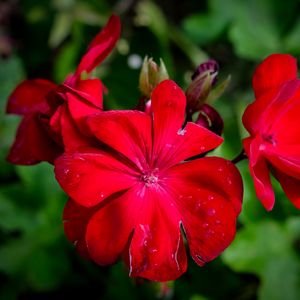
(273, 123)
(138, 198)
(53, 115)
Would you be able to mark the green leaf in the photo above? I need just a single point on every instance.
(196, 27)
(217, 92)
(266, 250)
(61, 28)
(150, 15)
(253, 31)
(281, 280)
(292, 40)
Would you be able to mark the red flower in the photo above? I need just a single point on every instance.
(273, 123)
(53, 115)
(137, 198)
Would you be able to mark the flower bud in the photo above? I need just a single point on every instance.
(209, 118)
(203, 79)
(151, 75)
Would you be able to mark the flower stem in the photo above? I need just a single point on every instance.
(240, 157)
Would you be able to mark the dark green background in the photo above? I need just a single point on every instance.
(42, 38)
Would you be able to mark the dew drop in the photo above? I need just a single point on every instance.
(211, 212)
(202, 148)
(101, 195)
(181, 132)
(218, 222)
(229, 181)
(153, 250)
(211, 197)
(198, 205)
(209, 233)
(205, 225)
(220, 169)
(66, 171)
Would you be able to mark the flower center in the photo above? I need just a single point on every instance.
(269, 139)
(150, 178)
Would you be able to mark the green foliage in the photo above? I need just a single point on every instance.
(266, 249)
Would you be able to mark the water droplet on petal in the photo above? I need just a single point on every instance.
(229, 181)
(198, 205)
(211, 197)
(101, 195)
(181, 132)
(202, 148)
(220, 169)
(211, 212)
(66, 171)
(218, 222)
(209, 233)
(153, 250)
(205, 225)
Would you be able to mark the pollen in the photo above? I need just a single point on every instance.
(149, 179)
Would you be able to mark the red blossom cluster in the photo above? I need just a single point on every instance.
(272, 121)
(140, 184)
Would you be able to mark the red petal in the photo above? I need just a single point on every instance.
(255, 149)
(262, 183)
(284, 122)
(91, 176)
(75, 219)
(288, 94)
(290, 186)
(29, 96)
(79, 110)
(156, 250)
(286, 158)
(128, 132)
(168, 106)
(101, 46)
(90, 91)
(110, 227)
(33, 143)
(252, 117)
(208, 194)
(211, 173)
(192, 140)
(72, 138)
(273, 71)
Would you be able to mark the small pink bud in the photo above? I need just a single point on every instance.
(203, 80)
(209, 118)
